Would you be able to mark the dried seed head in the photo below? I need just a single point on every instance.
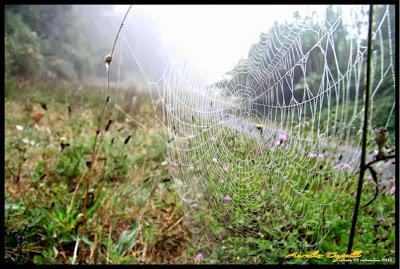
(108, 125)
(127, 140)
(43, 105)
(108, 59)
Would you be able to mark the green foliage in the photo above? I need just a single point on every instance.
(53, 41)
(336, 53)
(48, 199)
(71, 164)
(22, 47)
(255, 226)
(126, 241)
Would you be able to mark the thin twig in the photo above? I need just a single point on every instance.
(381, 158)
(364, 137)
(109, 242)
(97, 140)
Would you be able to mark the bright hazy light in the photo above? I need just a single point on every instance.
(213, 38)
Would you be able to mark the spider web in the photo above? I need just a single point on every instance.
(271, 147)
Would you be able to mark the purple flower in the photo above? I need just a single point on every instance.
(321, 156)
(312, 155)
(282, 138)
(346, 166)
(225, 168)
(214, 160)
(392, 190)
(227, 198)
(194, 205)
(381, 219)
(198, 257)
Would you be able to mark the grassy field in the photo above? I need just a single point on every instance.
(274, 208)
(134, 214)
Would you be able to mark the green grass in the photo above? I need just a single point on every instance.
(134, 212)
(44, 195)
(257, 226)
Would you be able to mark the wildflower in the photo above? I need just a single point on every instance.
(238, 258)
(227, 198)
(321, 156)
(19, 127)
(198, 257)
(63, 139)
(221, 181)
(225, 168)
(381, 219)
(194, 205)
(346, 166)
(392, 190)
(25, 140)
(392, 181)
(312, 155)
(214, 160)
(282, 138)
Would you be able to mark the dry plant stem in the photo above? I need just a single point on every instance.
(109, 241)
(364, 137)
(98, 139)
(62, 249)
(74, 194)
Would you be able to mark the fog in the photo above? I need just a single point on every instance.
(205, 40)
(209, 39)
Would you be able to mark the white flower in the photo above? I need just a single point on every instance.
(19, 127)
(25, 140)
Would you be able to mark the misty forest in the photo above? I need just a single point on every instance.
(147, 135)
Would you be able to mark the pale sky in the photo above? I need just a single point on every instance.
(214, 37)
